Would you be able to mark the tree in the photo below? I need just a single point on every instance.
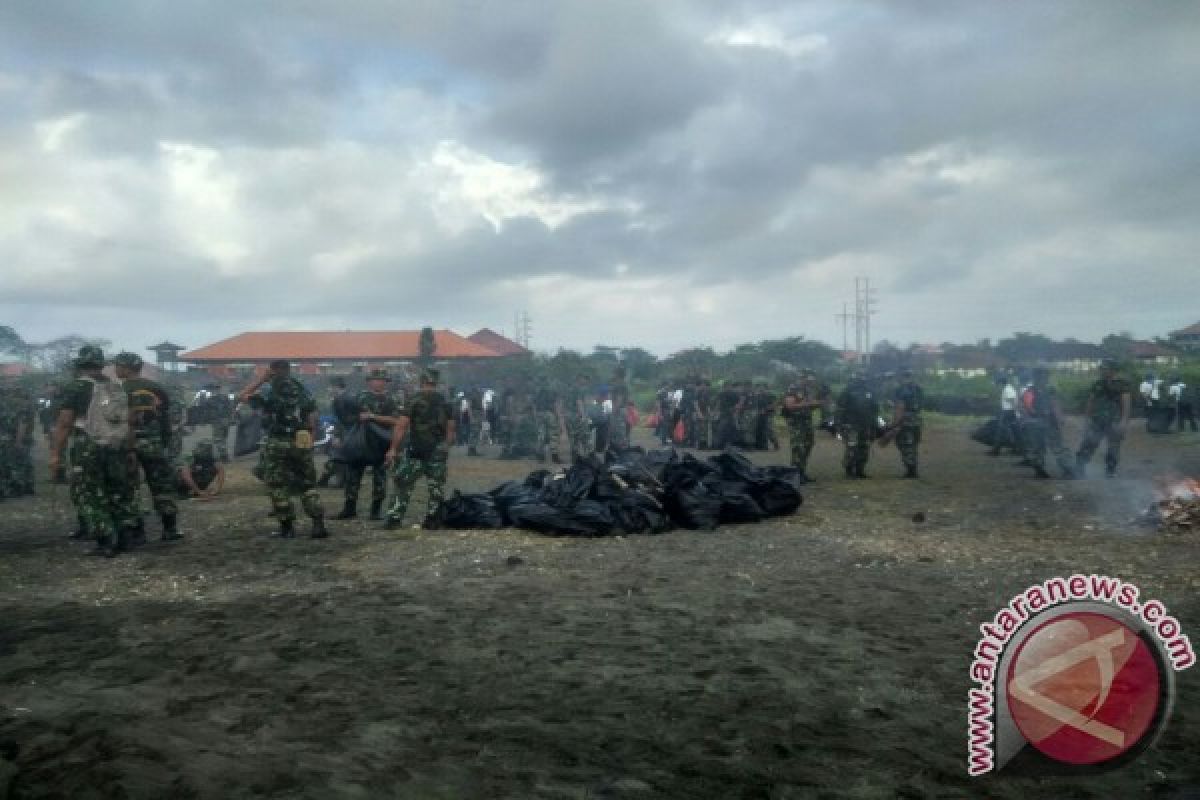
(57, 354)
(10, 340)
(426, 347)
(640, 365)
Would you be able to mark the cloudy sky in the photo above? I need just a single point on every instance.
(660, 174)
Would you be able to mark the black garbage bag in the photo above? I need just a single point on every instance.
(637, 511)
(572, 486)
(513, 493)
(737, 504)
(986, 433)
(692, 504)
(780, 493)
(736, 467)
(364, 445)
(538, 478)
(248, 437)
(471, 511)
(587, 519)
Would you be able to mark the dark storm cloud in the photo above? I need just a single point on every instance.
(329, 163)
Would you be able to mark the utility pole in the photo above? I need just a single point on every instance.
(845, 318)
(522, 329)
(864, 308)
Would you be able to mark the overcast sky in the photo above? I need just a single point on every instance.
(660, 174)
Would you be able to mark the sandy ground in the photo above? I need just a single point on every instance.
(819, 655)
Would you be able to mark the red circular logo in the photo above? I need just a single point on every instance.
(1084, 688)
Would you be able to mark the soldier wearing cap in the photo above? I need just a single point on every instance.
(375, 406)
(1107, 413)
(798, 405)
(290, 422)
(149, 408)
(425, 428)
(1043, 427)
(94, 419)
(908, 400)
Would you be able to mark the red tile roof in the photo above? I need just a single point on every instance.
(265, 346)
(1148, 350)
(1190, 330)
(493, 341)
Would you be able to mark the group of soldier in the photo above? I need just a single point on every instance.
(108, 433)
(1031, 422)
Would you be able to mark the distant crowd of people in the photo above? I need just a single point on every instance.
(105, 433)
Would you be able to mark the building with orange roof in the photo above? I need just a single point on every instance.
(330, 352)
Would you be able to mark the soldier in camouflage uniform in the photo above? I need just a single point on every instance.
(425, 428)
(857, 417)
(798, 406)
(618, 426)
(1108, 406)
(1043, 428)
(222, 418)
(575, 417)
(11, 434)
(908, 400)
(200, 476)
(374, 406)
(344, 411)
(523, 428)
(548, 409)
(101, 466)
(290, 422)
(150, 410)
(475, 430)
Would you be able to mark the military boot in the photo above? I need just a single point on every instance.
(393, 523)
(170, 528)
(860, 471)
(1080, 467)
(910, 471)
(137, 534)
(376, 510)
(319, 531)
(287, 529)
(349, 511)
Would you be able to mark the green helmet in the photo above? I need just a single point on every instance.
(126, 359)
(90, 356)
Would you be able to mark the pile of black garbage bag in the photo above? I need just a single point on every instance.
(633, 492)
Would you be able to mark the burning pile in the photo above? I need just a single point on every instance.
(1177, 508)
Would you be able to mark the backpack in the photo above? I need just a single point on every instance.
(107, 420)
(144, 403)
(428, 414)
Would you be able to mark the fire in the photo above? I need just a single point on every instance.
(1177, 506)
(1177, 489)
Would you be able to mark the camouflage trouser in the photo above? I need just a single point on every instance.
(524, 439)
(908, 438)
(408, 469)
(103, 492)
(354, 476)
(1042, 435)
(858, 447)
(618, 430)
(577, 432)
(160, 477)
(727, 432)
(704, 432)
(8, 466)
(23, 471)
(800, 433)
(289, 470)
(220, 438)
(550, 431)
(476, 430)
(1097, 431)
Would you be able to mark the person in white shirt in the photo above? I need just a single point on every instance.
(1007, 430)
(1181, 400)
(1146, 389)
